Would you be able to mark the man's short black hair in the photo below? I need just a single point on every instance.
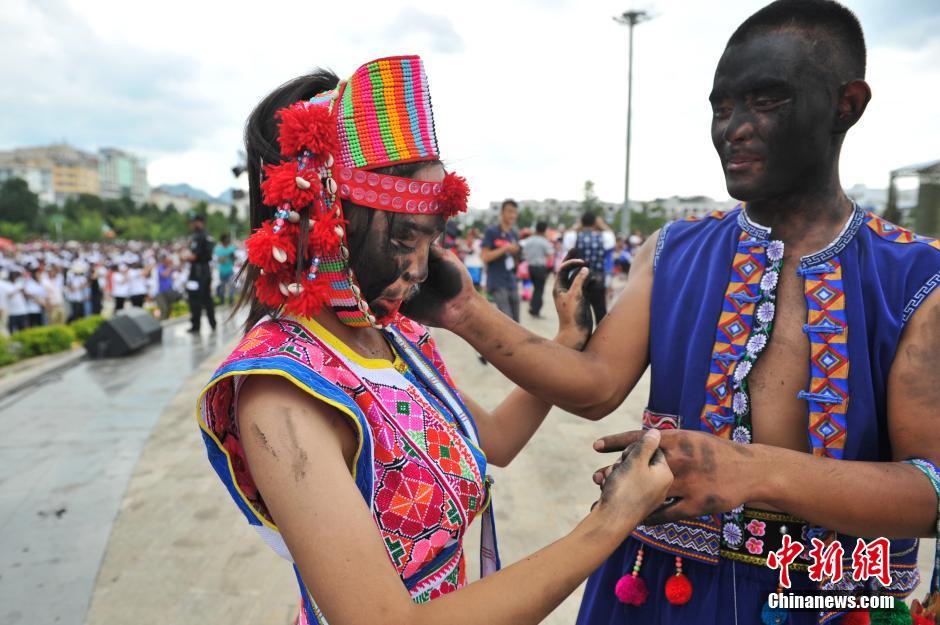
(828, 20)
(508, 202)
(541, 227)
(588, 219)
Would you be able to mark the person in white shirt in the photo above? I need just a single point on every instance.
(137, 285)
(16, 303)
(120, 286)
(55, 298)
(6, 291)
(35, 298)
(76, 289)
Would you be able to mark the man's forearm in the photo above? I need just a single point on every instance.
(563, 376)
(865, 499)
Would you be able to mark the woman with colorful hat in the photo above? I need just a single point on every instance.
(334, 423)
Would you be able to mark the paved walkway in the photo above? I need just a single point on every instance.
(71, 439)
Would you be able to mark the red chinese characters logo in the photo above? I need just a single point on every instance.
(826, 560)
(869, 560)
(783, 557)
(872, 560)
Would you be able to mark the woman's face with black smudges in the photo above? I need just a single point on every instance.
(393, 261)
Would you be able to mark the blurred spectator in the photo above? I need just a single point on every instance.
(500, 249)
(595, 244)
(225, 262)
(537, 252)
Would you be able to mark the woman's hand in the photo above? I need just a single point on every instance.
(574, 315)
(637, 483)
(446, 295)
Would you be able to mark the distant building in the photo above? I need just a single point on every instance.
(558, 211)
(165, 195)
(37, 174)
(122, 175)
(70, 170)
(676, 207)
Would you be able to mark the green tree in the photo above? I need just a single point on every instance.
(18, 204)
(590, 202)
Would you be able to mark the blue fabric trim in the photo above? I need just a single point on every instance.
(219, 462)
(755, 230)
(832, 250)
(660, 242)
(826, 327)
(305, 595)
(920, 297)
(319, 384)
(815, 269)
(439, 560)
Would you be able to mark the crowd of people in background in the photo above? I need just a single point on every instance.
(47, 283)
(513, 265)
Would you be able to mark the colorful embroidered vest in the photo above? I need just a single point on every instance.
(711, 313)
(418, 464)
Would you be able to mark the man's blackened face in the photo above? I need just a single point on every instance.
(393, 261)
(774, 102)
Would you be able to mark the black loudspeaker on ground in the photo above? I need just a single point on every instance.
(125, 333)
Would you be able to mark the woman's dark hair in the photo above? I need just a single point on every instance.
(261, 148)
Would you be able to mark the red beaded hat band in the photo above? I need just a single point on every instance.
(402, 195)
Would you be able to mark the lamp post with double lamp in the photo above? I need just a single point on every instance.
(631, 19)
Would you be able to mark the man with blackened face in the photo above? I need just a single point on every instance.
(784, 339)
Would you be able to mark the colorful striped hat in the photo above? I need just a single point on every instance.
(384, 115)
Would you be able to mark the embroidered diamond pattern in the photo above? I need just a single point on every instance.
(403, 408)
(823, 295)
(747, 268)
(827, 429)
(733, 328)
(829, 360)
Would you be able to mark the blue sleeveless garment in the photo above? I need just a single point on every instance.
(713, 290)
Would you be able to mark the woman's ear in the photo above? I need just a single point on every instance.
(853, 99)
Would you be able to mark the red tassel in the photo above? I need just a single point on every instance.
(631, 590)
(920, 619)
(858, 617)
(261, 243)
(310, 301)
(454, 194)
(303, 126)
(280, 185)
(678, 589)
(268, 291)
(323, 238)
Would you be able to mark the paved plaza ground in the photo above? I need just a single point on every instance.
(149, 534)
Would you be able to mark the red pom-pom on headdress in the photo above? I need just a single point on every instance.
(454, 194)
(284, 183)
(309, 301)
(326, 234)
(304, 126)
(260, 247)
(268, 290)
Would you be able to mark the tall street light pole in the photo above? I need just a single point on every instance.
(631, 19)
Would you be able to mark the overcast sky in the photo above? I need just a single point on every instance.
(529, 96)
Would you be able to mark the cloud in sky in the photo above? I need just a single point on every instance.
(529, 96)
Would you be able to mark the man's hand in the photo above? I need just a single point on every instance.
(712, 475)
(446, 293)
(575, 323)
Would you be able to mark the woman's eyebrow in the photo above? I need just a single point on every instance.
(406, 226)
